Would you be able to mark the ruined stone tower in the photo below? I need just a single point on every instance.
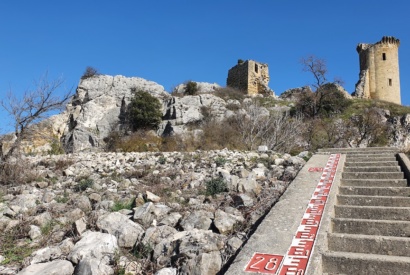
(379, 70)
(250, 76)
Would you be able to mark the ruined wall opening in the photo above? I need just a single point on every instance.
(384, 56)
(390, 82)
(256, 68)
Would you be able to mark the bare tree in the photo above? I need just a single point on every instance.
(317, 67)
(276, 129)
(34, 106)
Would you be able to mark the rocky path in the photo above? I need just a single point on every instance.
(136, 213)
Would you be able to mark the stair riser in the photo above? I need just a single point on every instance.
(374, 183)
(372, 169)
(343, 265)
(370, 159)
(371, 164)
(375, 191)
(382, 246)
(372, 213)
(374, 201)
(372, 175)
(397, 229)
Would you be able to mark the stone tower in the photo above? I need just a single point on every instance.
(250, 76)
(379, 70)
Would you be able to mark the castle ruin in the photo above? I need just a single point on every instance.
(379, 70)
(249, 76)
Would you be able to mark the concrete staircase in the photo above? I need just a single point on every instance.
(370, 227)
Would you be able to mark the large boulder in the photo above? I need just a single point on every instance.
(97, 105)
(119, 225)
(57, 267)
(94, 245)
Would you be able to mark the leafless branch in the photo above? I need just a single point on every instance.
(34, 106)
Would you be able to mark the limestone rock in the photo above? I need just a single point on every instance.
(92, 266)
(57, 267)
(198, 219)
(152, 197)
(171, 219)
(144, 214)
(294, 94)
(95, 245)
(45, 254)
(208, 263)
(203, 87)
(190, 109)
(97, 105)
(119, 225)
(225, 222)
(167, 271)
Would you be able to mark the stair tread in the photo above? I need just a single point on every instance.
(365, 236)
(367, 256)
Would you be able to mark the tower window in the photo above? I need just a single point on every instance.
(390, 82)
(384, 56)
(256, 68)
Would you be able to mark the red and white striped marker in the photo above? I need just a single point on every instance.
(297, 257)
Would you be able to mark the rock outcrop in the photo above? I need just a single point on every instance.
(97, 107)
(203, 87)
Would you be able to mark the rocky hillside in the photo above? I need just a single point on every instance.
(136, 213)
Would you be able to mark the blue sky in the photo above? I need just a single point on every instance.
(172, 41)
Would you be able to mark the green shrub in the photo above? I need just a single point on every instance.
(119, 205)
(191, 88)
(83, 185)
(144, 111)
(215, 186)
(220, 161)
(56, 148)
(142, 251)
(162, 160)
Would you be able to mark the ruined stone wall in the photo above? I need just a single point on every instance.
(379, 70)
(238, 76)
(249, 76)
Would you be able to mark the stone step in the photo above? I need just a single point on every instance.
(372, 175)
(371, 227)
(371, 164)
(368, 149)
(371, 158)
(375, 191)
(374, 182)
(383, 245)
(360, 200)
(372, 169)
(370, 154)
(361, 263)
(372, 212)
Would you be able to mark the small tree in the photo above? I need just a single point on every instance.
(191, 88)
(33, 107)
(326, 100)
(144, 111)
(89, 72)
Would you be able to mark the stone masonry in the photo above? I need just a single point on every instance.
(249, 76)
(379, 70)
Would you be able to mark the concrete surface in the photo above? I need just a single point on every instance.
(274, 235)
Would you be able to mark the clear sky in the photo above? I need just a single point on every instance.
(172, 41)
